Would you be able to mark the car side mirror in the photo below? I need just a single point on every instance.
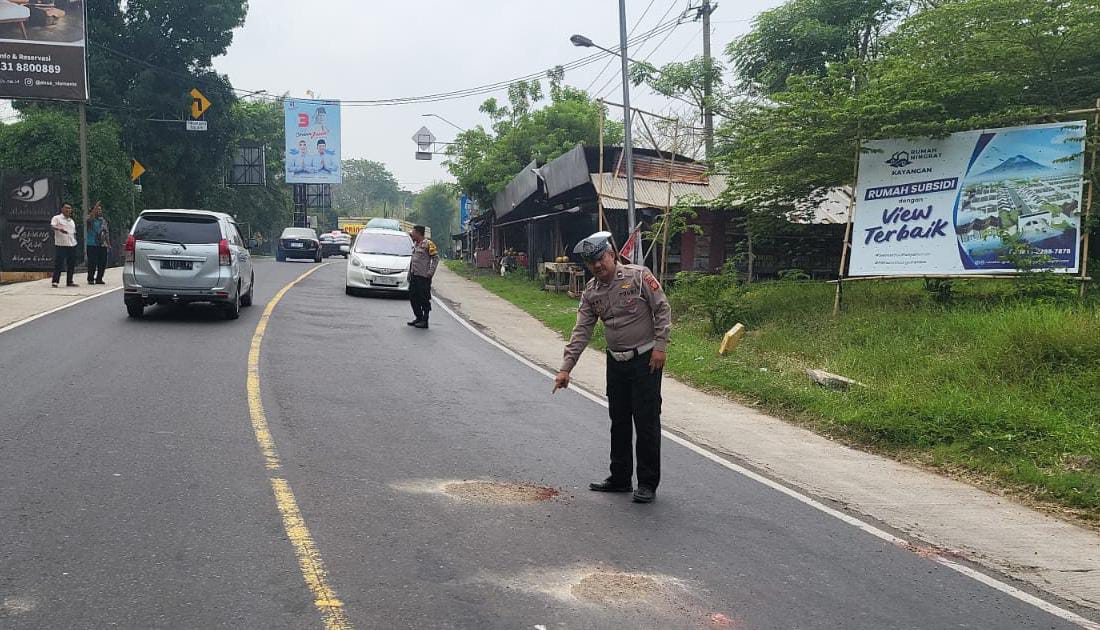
(344, 249)
(253, 243)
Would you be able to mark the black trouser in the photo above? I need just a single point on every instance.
(634, 401)
(97, 263)
(420, 296)
(64, 258)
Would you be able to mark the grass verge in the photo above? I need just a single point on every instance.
(999, 391)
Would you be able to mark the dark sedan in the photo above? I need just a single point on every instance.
(298, 243)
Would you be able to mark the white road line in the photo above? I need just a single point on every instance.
(54, 310)
(989, 581)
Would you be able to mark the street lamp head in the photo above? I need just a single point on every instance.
(581, 41)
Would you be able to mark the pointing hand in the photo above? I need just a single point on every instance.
(561, 381)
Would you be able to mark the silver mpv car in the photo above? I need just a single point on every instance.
(182, 256)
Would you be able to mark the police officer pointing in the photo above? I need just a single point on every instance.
(637, 319)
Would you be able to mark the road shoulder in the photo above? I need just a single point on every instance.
(950, 516)
(23, 301)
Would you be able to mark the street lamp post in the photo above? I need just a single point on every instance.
(444, 120)
(628, 142)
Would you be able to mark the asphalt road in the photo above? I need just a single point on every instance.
(133, 493)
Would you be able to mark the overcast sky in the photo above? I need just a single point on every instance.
(356, 49)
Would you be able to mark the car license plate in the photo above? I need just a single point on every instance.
(386, 282)
(175, 264)
(296, 245)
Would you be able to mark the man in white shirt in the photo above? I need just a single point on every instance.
(64, 244)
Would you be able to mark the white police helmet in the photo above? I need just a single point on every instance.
(593, 247)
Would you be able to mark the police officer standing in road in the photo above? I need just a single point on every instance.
(637, 319)
(425, 259)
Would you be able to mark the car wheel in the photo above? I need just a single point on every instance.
(246, 299)
(135, 309)
(348, 290)
(318, 258)
(233, 308)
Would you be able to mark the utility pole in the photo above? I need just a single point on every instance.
(628, 142)
(708, 83)
(84, 200)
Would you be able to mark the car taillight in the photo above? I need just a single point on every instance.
(131, 244)
(224, 257)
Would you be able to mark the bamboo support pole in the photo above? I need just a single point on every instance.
(847, 233)
(1086, 218)
(668, 206)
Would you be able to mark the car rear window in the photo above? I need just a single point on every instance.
(299, 233)
(186, 229)
(396, 244)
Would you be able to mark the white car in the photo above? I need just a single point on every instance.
(379, 261)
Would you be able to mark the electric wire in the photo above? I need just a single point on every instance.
(636, 25)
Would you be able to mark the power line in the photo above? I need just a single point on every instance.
(636, 25)
(426, 98)
(604, 90)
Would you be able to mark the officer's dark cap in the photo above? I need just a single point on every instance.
(593, 247)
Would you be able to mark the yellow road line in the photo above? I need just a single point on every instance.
(309, 558)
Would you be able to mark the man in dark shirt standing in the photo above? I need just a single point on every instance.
(97, 238)
(425, 260)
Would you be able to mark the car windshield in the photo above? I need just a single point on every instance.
(299, 233)
(396, 244)
(177, 228)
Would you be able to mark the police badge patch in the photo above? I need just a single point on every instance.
(652, 282)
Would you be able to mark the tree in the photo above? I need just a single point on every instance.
(176, 47)
(805, 37)
(369, 188)
(485, 160)
(958, 65)
(264, 209)
(47, 141)
(437, 207)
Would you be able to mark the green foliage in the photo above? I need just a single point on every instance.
(680, 219)
(942, 291)
(437, 207)
(183, 168)
(47, 141)
(485, 160)
(806, 37)
(682, 79)
(714, 298)
(264, 209)
(367, 190)
(952, 66)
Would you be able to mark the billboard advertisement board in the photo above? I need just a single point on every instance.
(29, 197)
(42, 50)
(954, 205)
(26, 246)
(27, 203)
(312, 141)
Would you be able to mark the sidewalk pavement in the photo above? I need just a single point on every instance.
(22, 300)
(957, 519)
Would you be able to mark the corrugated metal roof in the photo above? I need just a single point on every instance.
(653, 194)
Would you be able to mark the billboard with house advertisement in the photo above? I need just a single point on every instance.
(956, 205)
(312, 141)
(42, 50)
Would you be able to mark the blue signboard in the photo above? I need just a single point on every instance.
(464, 212)
(312, 142)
